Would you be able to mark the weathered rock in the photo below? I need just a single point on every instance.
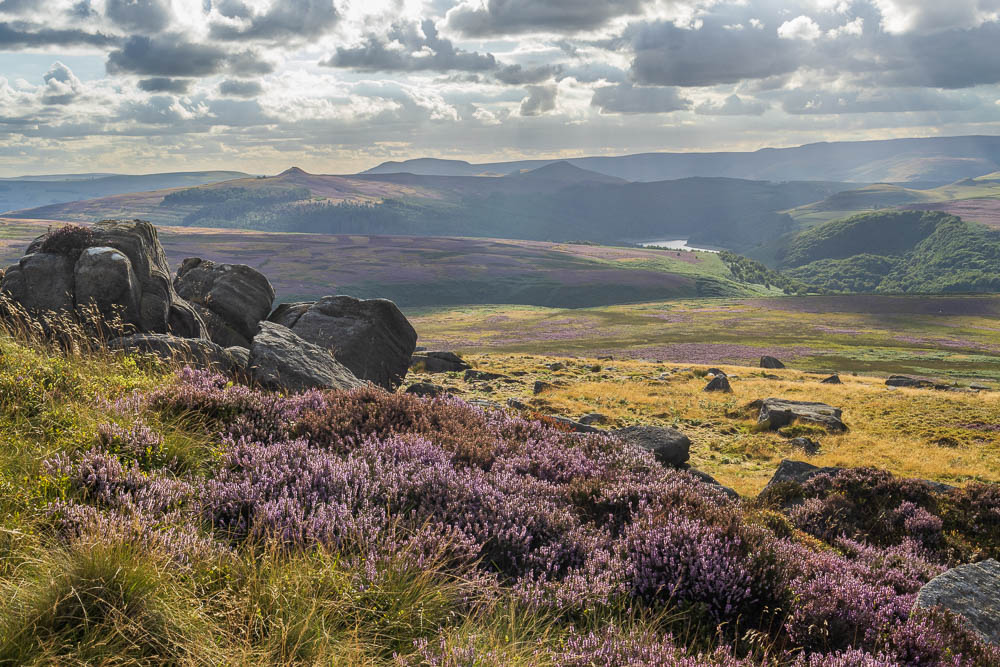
(232, 298)
(484, 404)
(668, 445)
(805, 444)
(770, 362)
(104, 277)
(573, 425)
(711, 481)
(975, 386)
(196, 351)
(517, 404)
(241, 355)
(904, 381)
(481, 376)
(797, 471)
(778, 412)
(279, 359)
(719, 383)
(593, 418)
(833, 379)
(971, 591)
(540, 387)
(372, 338)
(716, 371)
(556, 366)
(40, 282)
(425, 389)
(439, 362)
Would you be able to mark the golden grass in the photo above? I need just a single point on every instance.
(938, 435)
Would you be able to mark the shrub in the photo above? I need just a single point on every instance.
(69, 240)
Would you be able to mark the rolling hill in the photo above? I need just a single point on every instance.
(558, 202)
(33, 191)
(936, 159)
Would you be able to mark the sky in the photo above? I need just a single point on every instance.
(337, 86)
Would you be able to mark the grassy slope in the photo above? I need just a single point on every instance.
(953, 337)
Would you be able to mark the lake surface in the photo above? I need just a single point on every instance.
(674, 244)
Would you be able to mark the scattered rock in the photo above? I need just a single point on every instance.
(719, 383)
(606, 358)
(517, 404)
(481, 376)
(779, 412)
(833, 379)
(593, 418)
(372, 338)
(439, 362)
(540, 387)
(573, 425)
(484, 404)
(770, 362)
(810, 447)
(905, 381)
(280, 359)
(797, 471)
(971, 591)
(668, 445)
(425, 389)
(557, 366)
(708, 479)
(232, 299)
(979, 387)
(715, 371)
(198, 351)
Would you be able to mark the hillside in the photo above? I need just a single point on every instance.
(938, 159)
(24, 193)
(556, 203)
(895, 252)
(434, 271)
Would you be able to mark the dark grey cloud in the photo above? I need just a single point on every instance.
(249, 63)
(511, 17)
(18, 6)
(407, 49)
(26, 35)
(238, 88)
(234, 9)
(162, 84)
(147, 16)
(169, 55)
(294, 20)
(540, 100)
(629, 99)
(734, 105)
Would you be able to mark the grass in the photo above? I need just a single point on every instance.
(929, 434)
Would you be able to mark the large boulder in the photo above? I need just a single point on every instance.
(372, 338)
(770, 362)
(197, 351)
(905, 381)
(232, 299)
(778, 412)
(971, 591)
(77, 267)
(279, 359)
(668, 445)
(719, 383)
(435, 361)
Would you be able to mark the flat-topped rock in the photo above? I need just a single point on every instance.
(668, 445)
(438, 361)
(906, 381)
(779, 412)
(970, 591)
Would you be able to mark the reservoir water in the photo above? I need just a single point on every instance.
(674, 244)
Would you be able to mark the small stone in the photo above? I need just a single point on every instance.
(805, 444)
(719, 383)
(594, 418)
(541, 387)
(770, 362)
(481, 376)
(833, 379)
(424, 389)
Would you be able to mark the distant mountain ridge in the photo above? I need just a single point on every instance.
(937, 160)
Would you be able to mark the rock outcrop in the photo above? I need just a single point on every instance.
(719, 383)
(905, 381)
(668, 445)
(232, 299)
(436, 361)
(114, 265)
(971, 591)
(279, 359)
(833, 379)
(770, 362)
(197, 351)
(797, 471)
(372, 338)
(778, 412)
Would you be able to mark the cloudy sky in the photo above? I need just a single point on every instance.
(335, 86)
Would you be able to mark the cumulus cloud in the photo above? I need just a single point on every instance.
(801, 27)
(540, 100)
(902, 16)
(293, 20)
(141, 15)
(734, 105)
(408, 47)
(486, 18)
(237, 88)
(22, 35)
(61, 85)
(629, 99)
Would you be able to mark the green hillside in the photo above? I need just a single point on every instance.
(895, 252)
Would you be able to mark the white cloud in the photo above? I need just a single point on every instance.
(801, 27)
(903, 16)
(855, 28)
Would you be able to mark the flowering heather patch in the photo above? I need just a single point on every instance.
(565, 528)
(711, 353)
